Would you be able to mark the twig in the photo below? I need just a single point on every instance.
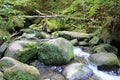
(40, 13)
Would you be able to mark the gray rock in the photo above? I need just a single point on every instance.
(74, 41)
(51, 75)
(22, 50)
(83, 43)
(74, 35)
(77, 71)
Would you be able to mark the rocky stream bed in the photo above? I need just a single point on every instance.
(62, 55)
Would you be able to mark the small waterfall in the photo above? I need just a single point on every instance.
(101, 75)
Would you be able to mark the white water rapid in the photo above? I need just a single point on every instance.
(99, 74)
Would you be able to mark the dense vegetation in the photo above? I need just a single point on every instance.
(78, 15)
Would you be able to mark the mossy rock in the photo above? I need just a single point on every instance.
(15, 70)
(22, 50)
(74, 35)
(94, 41)
(43, 35)
(55, 34)
(74, 42)
(20, 75)
(55, 52)
(105, 61)
(105, 48)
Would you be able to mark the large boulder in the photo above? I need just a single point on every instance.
(55, 52)
(77, 71)
(105, 61)
(12, 68)
(105, 48)
(22, 50)
(74, 35)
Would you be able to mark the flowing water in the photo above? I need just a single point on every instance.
(101, 75)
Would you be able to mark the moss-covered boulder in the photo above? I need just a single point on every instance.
(105, 48)
(105, 61)
(77, 71)
(22, 50)
(14, 69)
(55, 52)
(94, 41)
(74, 35)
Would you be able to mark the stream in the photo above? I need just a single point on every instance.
(101, 75)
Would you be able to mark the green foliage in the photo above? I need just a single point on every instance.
(89, 15)
(20, 75)
(9, 16)
(4, 36)
(79, 15)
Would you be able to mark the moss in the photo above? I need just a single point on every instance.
(51, 54)
(2, 63)
(20, 75)
(55, 34)
(41, 35)
(28, 52)
(94, 41)
(105, 48)
(66, 36)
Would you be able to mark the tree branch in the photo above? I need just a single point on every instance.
(37, 16)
